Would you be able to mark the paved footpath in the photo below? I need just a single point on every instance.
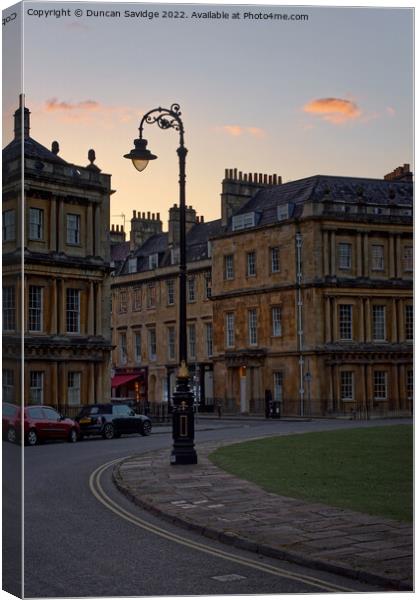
(218, 505)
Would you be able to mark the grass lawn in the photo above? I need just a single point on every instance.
(369, 470)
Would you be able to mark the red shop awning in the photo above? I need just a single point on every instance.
(119, 380)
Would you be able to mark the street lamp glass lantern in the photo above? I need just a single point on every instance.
(140, 155)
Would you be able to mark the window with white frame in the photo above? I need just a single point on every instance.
(409, 322)
(8, 385)
(132, 265)
(207, 285)
(278, 386)
(251, 268)
(243, 221)
(191, 289)
(9, 228)
(380, 391)
(73, 229)
(174, 256)
(346, 385)
(35, 308)
(123, 348)
(378, 322)
(276, 321)
(410, 384)
(72, 310)
(152, 343)
(209, 339)
(137, 298)
(344, 256)
(170, 292)
(275, 259)
(377, 257)
(345, 321)
(252, 327)
(137, 347)
(73, 388)
(36, 224)
(123, 301)
(9, 308)
(191, 341)
(408, 258)
(151, 295)
(153, 261)
(230, 329)
(171, 343)
(229, 269)
(36, 387)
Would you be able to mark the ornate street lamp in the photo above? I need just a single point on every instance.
(183, 451)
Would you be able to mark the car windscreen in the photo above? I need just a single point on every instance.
(95, 410)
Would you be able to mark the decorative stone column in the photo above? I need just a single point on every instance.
(359, 257)
(91, 313)
(61, 225)
(97, 230)
(366, 269)
(333, 253)
(53, 307)
(398, 269)
(90, 234)
(53, 225)
(394, 322)
(368, 313)
(361, 304)
(325, 253)
(391, 256)
(328, 337)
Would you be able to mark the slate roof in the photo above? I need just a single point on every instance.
(33, 149)
(120, 251)
(320, 188)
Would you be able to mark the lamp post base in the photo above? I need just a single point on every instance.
(183, 451)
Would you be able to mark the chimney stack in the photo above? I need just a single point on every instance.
(22, 121)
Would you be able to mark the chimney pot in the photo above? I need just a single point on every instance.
(265, 179)
(148, 215)
(235, 173)
(158, 216)
(134, 214)
(202, 219)
(153, 216)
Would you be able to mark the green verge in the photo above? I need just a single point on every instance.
(369, 470)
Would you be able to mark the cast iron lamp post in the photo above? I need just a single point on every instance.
(183, 451)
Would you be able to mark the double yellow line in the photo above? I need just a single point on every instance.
(99, 493)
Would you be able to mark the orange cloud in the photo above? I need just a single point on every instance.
(53, 104)
(333, 110)
(237, 130)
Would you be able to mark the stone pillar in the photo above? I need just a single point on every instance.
(335, 333)
(368, 313)
(333, 253)
(53, 225)
(98, 381)
(359, 256)
(362, 320)
(61, 233)
(369, 387)
(391, 256)
(331, 388)
(401, 327)
(89, 230)
(54, 384)
(398, 270)
(402, 387)
(91, 313)
(325, 253)
(395, 389)
(91, 396)
(61, 308)
(366, 265)
(328, 337)
(62, 384)
(98, 311)
(394, 322)
(97, 230)
(53, 307)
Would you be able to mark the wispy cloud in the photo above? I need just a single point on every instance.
(391, 111)
(86, 111)
(334, 110)
(238, 130)
(53, 105)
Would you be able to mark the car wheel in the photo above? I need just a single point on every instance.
(108, 433)
(146, 428)
(32, 437)
(73, 436)
(11, 435)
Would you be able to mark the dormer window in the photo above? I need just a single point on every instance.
(174, 256)
(153, 261)
(284, 211)
(243, 221)
(132, 265)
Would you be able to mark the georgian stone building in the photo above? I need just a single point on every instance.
(65, 286)
(300, 294)
(312, 298)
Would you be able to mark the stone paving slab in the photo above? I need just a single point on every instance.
(220, 506)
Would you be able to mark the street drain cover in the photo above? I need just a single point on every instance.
(231, 577)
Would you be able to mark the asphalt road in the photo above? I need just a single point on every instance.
(75, 546)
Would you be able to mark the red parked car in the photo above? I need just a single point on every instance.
(40, 423)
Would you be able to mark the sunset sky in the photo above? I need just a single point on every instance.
(332, 95)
